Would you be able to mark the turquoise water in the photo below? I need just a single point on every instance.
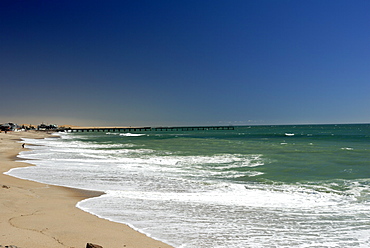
(255, 186)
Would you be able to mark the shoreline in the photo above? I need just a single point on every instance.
(40, 215)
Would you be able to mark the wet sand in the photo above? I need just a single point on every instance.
(45, 216)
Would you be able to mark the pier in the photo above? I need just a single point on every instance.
(145, 129)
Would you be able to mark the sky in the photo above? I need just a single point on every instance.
(184, 62)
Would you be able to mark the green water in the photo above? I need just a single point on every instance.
(313, 153)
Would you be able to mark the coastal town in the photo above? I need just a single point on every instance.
(10, 126)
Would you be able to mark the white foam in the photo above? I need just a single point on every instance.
(279, 217)
(127, 134)
(238, 195)
(188, 201)
(347, 148)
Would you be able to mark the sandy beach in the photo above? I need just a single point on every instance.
(44, 216)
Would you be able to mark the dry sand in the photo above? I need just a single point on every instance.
(44, 216)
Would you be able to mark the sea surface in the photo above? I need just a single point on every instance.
(255, 186)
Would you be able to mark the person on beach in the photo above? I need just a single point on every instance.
(23, 145)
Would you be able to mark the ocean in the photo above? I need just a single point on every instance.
(254, 186)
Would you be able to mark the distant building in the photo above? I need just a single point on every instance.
(9, 126)
(46, 127)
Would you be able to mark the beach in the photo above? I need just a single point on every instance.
(254, 186)
(39, 215)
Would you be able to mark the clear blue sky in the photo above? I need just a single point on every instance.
(188, 62)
